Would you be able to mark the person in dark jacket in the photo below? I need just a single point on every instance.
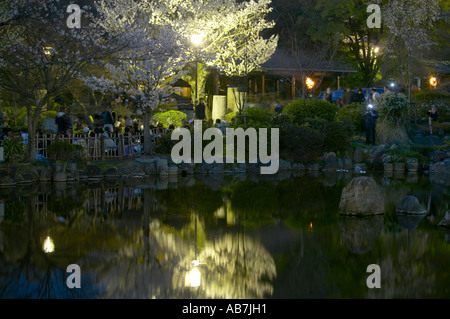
(432, 117)
(359, 97)
(63, 122)
(108, 119)
(200, 110)
(347, 96)
(370, 120)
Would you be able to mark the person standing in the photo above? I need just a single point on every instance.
(375, 96)
(64, 123)
(370, 120)
(327, 96)
(347, 96)
(200, 110)
(278, 108)
(108, 119)
(432, 117)
(61, 122)
(359, 97)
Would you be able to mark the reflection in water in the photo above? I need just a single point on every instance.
(231, 239)
(48, 247)
(360, 234)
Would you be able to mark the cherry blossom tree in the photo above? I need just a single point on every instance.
(40, 53)
(409, 24)
(151, 60)
(231, 31)
(233, 36)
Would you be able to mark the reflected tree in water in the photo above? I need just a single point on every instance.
(27, 271)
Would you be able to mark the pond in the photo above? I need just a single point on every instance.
(220, 237)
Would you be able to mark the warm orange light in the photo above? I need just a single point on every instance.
(309, 83)
(433, 81)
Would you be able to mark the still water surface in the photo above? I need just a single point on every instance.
(220, 237)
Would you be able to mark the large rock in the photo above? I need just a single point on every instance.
(94, 171)
(440, 167)
(284, 165)
(29, 177)
(410, 205)
(361, 197)
(150, 169)
(313, 167)
(347, 162)
(147, 159)
(358, 155)
(111, 172)
(359, 234)
(445, 222)
(410, 222)
(7, 181)
(330, 162)
(216, 169)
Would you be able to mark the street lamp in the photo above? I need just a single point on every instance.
(197, 40)
(48, 51)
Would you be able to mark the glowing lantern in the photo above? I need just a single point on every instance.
(433, 81)
(309, 83)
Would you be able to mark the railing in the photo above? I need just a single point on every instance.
(98, 146)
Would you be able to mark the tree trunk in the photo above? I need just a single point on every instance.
(203, 73)
(148, 208)
(33, 121)
(148, 145)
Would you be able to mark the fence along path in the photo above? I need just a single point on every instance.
(99, 146)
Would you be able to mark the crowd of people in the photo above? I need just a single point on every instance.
(106, 122)
(349, 96)
(369, 100)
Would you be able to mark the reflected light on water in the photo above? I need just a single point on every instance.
(48, 246)
(193, 277)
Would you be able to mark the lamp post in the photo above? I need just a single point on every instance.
(197, 40)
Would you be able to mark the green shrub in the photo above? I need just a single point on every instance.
(164, 144)
(426, 100)
(15, 210)
(337, 136)
(300, 143)
(14, 149)
(302, 112)
(64, 151)
(401, 154)
(171, 117)
(353, 112)
(281, 120)
(257, 117)
(16, 117)
(229, 118)
(391, 133)
(393, 109)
